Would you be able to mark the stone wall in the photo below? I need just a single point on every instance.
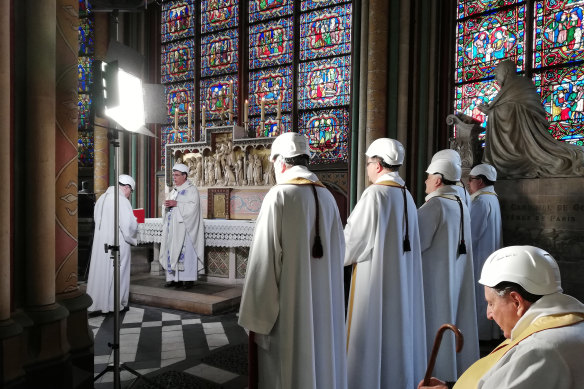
(547, 213)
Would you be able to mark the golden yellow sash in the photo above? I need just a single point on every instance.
(473, 374)
(389, 183)
(488, 193)
(303, 181)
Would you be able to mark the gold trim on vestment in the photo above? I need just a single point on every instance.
(303, 181)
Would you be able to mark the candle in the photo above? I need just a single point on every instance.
(245, 111)
(262, 108)
(189, 117)
(203, 116)
(176, 118)
(279, 112)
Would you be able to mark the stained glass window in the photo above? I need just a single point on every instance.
(86, 32)
(219, 53)
(297, 66)
(219, 14)
(325, 32)
(490, 31)
(271, 43)
(327, 138)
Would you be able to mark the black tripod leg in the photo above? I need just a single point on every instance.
(139, 377)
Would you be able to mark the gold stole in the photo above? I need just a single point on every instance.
(470, 378)
(389, 183)
(488, 193)
(303, 181)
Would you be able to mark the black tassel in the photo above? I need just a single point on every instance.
(407, 246)
(462, 248)
(317, 248)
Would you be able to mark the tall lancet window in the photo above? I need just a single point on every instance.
(85, 150)
(543, 37)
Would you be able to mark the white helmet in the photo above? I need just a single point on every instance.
(181, 167)
(125, 179)
(389, 150)
(288, 145)
(449, 169)
(449, 154)
(531, 267)
(485, 170)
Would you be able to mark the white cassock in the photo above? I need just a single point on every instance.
(292, 301)
(100, 282)
(449, 287)
(487, 237)
(463, 194)
(183, 235)
(385, 319)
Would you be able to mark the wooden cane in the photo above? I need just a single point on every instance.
(436, 347)
(252, 361)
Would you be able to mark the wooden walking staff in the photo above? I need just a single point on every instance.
(436, 347)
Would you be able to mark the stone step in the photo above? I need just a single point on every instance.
(204, 297)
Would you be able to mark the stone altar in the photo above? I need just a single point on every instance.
(226, 247)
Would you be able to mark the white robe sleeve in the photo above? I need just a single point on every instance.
(429, 217)
(128, 222)
(259, 307)
(478, 220)
(360, 230)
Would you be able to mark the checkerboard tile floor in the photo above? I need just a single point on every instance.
(152, 339)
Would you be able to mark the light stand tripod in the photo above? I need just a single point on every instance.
(115, 256)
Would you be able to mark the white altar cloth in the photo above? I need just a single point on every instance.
(218, 232)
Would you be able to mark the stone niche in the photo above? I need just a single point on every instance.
(226, 158)
(547, 213)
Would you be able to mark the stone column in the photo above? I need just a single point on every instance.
(79, 337)
(100, 141)
(11, 338)
(377, 71)
(47, 334)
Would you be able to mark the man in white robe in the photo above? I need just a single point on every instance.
(544, 327)
(449, 292)
(487, 236)
(453, 156)
(293, 297)
(183, 241)
(100, 281)
(385, 319)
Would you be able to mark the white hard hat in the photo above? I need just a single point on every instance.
(485, 170)
(449, 154)
(289, 144)
(127, 180)
(531, 267)
(181, 167)
(389, 150)
(449, 169)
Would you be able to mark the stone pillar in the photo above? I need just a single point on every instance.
(47, 347)
(100, 141)
(10, 332)
(377, 71)
(79, 337)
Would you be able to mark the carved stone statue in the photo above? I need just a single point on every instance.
(250, 163)
(518, 143)
(257, 171)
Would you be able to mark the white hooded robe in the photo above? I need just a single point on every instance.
(449, 287)
(385, 318)
(100, 281)
(487, 237)
(292, 301)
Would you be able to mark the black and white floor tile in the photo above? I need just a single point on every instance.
(156, 340)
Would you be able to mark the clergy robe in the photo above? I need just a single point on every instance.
(292, 301)
(463, 194)
(487, 237)
(385, 318)
(183, 235)
(100, 282)
(545, 350)
(449, 287)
